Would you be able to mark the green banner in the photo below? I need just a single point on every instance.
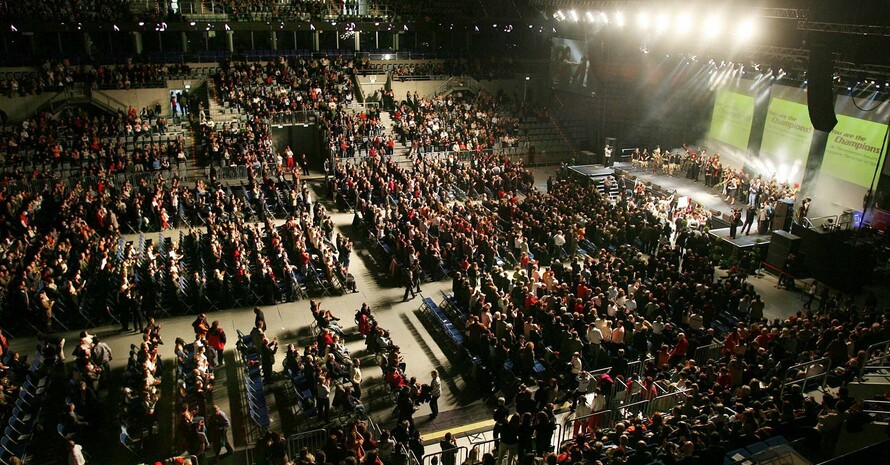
(732, 117)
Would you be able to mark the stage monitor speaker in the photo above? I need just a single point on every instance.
(781, 244)
(820, 97)
(784, 208)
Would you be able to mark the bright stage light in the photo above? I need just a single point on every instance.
(574, 15)
(603, 17)
(590, 18)
(643, 20)
(662, 23)
(619, 19)
(713, 26)
(684, 23)
(747, 29)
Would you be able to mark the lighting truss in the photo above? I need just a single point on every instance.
(779, 13)
(855, 29)
(797, 59)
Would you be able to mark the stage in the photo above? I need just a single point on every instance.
(741, 241)
(697, 191)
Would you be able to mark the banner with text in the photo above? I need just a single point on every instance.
(787, 135)
(853, 152)
(732, 117)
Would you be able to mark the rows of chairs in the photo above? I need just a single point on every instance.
(136, 424)
(26, 413)
(254, 393)
(443, 323)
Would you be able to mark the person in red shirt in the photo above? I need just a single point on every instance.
(679, 352)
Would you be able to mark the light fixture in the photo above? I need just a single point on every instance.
(747, 29)
(643, 20)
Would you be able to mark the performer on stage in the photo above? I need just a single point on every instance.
(607, 156)
(804, 210)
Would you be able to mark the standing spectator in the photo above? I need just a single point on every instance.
(260, 318)
(435, 393)
(545, 425)
(408, 278)
(449, 449)
(323, 392)
(679, 352)
(101, 355)
(355, 375)
(405, 406)
(200, 325)
(267, 354)
(304, 164)
(509, 441)
(216, 339)
(220, 423)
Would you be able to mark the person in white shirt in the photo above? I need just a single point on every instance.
(435, 393)
(576, 364)
(559, 240)
(75, 454)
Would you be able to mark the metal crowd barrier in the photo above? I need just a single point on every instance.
(312, 440)
(709, 352)
(446, 458)
(815, 370)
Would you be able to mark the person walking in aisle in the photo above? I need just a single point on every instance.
(435, 393)
(220, 423)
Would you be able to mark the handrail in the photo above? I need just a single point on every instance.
(106, 100)
(882, 348)
(824, 362)
(811, 223)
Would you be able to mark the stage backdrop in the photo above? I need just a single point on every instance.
(787, 135)
(853, 151)
(731, 121)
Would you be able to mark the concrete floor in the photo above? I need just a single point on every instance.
(459, 404)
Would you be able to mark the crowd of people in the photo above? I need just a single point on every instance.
(285, 86)
(54, 76)
(757, 193)
(458, 123)
(72, 11)
(94, 143)
(551, 285)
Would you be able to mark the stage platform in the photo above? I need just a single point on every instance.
(741, 241)
(697, 191)
(592, 171)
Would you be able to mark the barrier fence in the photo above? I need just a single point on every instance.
(618, 411)
(600, 419)
(456, 456)
(312, 440)
(814, 371)
(666, 402)
(709, 352)
(478, 449)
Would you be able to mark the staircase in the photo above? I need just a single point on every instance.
(570, 146)
(221, 113)
(456, 84)
(81, 94)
